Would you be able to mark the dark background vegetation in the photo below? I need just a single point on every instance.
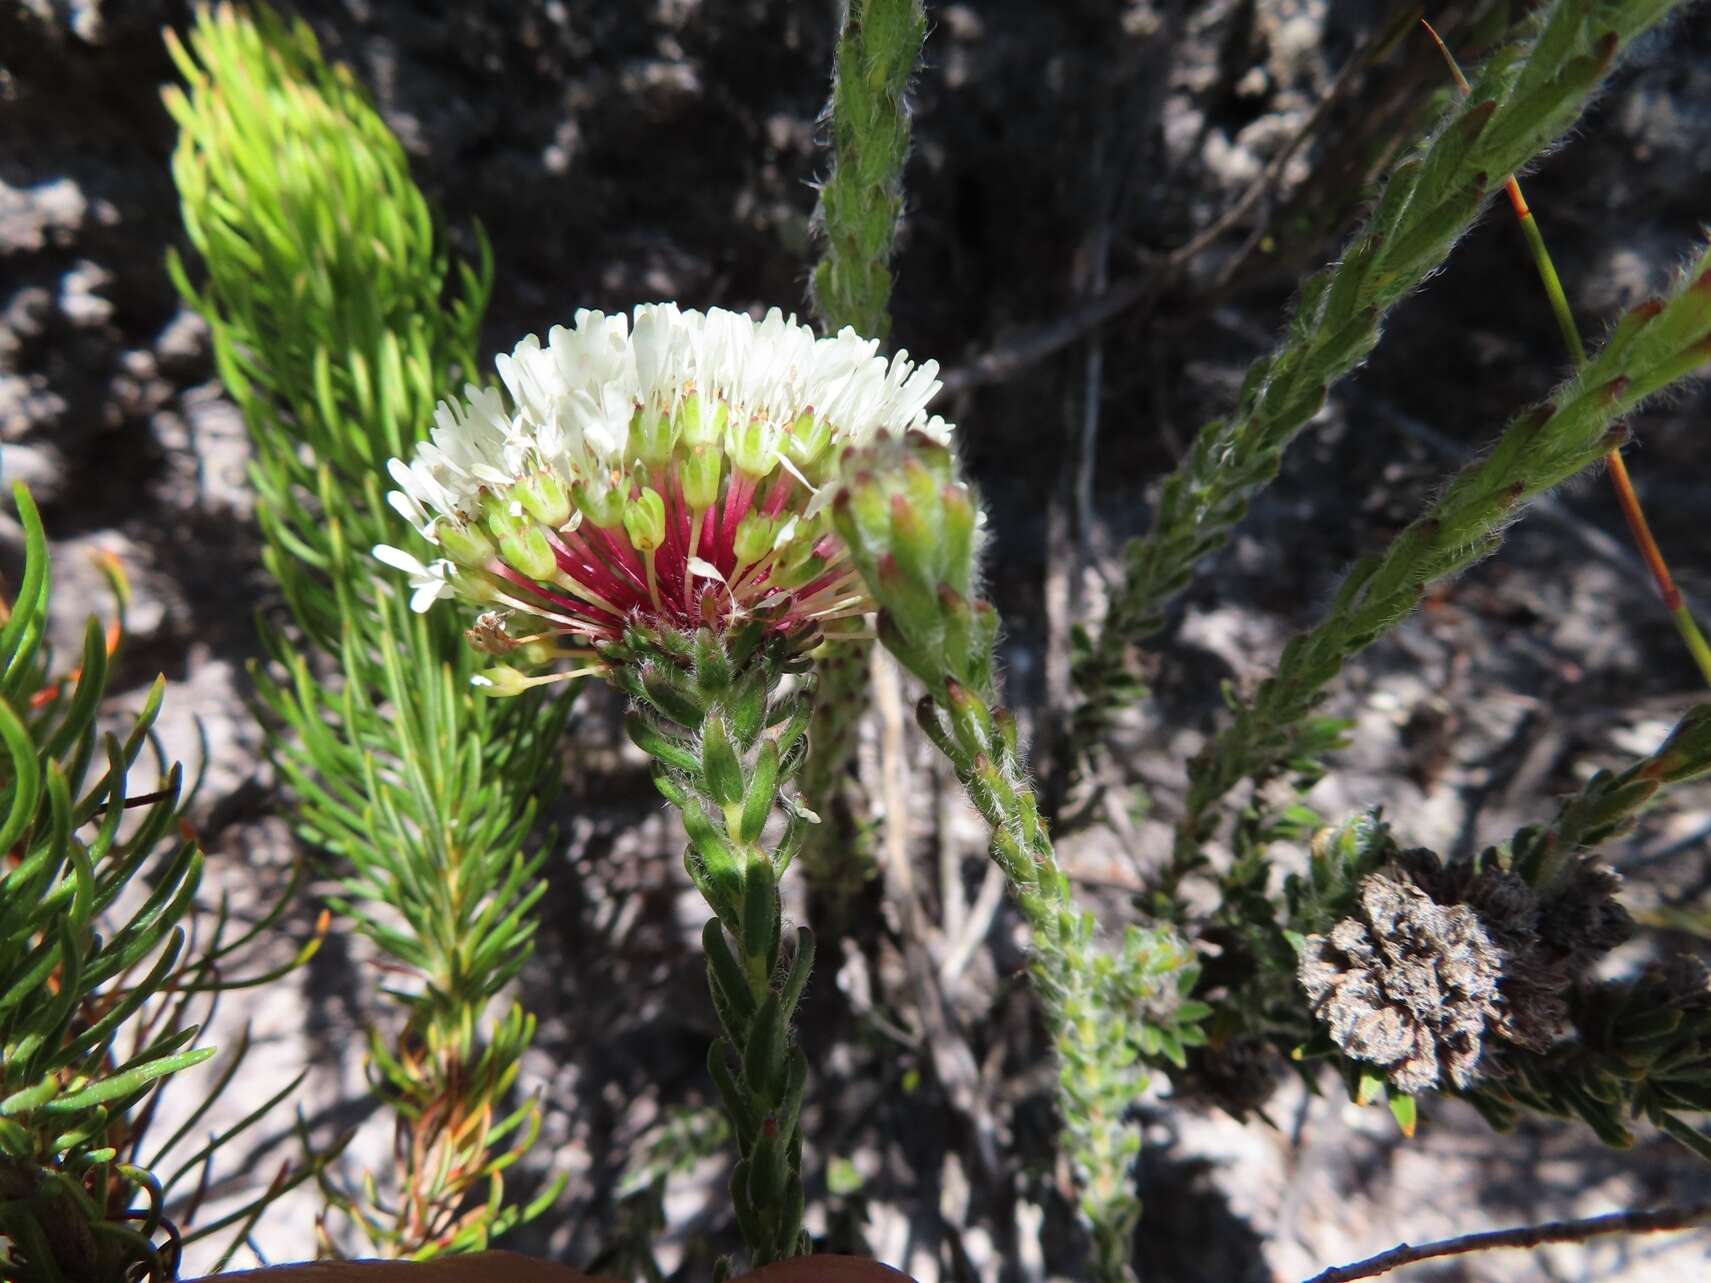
(1065, 154)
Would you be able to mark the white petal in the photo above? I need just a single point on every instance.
(398, 559)
(406, 507)
(427, 593)
(793, 470)
(706, 569)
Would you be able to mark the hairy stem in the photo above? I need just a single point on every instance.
(1522, 100)
(728, 736)
(1655, 345)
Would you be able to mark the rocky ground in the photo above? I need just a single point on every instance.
(619, 153)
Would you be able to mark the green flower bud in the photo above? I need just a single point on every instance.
(528, 552)
(913, 604)
(914, 538)
(936, 458)
(653, 434)
(544, 498)
(861, 514)
(603, 506)
(921, 485)
(699, 471)
(502, 681)
(701, 423)
(808, 443)
(961, 524)
(468, 546)
(970, 633)
(644, 520)
(755, 533)
(472, 586)
(913, 529)
(753, 447)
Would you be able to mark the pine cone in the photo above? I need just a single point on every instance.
(1408, 983)
(1582, 920)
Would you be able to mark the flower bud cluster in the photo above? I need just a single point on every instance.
(669, 474)
(914, 531)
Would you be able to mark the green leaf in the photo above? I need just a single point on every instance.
(1402, 1109)
(26, 1099)
(126, 1083)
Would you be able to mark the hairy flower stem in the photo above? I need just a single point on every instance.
(860, 205)
(1626, 497)
(1098, 1080)
(833, 859)
(1654, 345)
(911, 527)
(861, 201)
(1605, 808)
(1522, 100)
(727, 736)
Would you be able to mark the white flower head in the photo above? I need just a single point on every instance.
(671, 464)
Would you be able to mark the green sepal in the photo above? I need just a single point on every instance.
(760, 911)
(801, 964)
(700, 471)
(719, 873)
(726, 977)
(738, 1103)
(603, 507)
(466, 545)
(660, 746)
(699, 424)
(746, 707)
(755, 534)
(653, 436)
(712, 664)
(644, 520)
(668, 692)
(762, 792)
(721, 769)
(763, 1052)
